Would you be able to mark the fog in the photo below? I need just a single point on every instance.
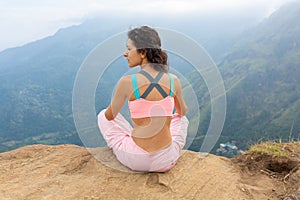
(25, 21)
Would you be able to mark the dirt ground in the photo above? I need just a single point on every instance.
(73, 172)
(282, 171)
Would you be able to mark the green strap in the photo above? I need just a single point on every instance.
(135, 86)
(171, 85)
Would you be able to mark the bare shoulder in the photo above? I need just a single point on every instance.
(176, 80)
(174, 76)
(125, 80)
(177, 84)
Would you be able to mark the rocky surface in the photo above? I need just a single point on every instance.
(73, 172)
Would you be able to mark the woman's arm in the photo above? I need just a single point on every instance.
(180, 104)
(118, 99)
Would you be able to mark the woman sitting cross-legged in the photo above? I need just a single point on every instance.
(158, 134)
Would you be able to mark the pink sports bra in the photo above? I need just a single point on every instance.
(141, 107)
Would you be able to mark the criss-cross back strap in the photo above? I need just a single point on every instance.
(153, 83)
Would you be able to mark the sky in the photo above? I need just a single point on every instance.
(22, 22)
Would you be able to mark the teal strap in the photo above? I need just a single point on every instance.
(171, 85)
(135, 86)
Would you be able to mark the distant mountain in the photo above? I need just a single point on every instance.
(36, 86)
(37, 78)
(260, 69)
(262, 79)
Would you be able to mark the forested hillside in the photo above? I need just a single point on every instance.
(261, 74)
(262, 80)
(36, 86)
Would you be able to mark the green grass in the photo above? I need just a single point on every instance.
(269, 148)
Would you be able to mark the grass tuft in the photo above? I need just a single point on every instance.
(275, 149)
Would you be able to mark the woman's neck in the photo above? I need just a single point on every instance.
(148, 67)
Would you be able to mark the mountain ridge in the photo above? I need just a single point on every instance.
(262, 89)
(261, 77)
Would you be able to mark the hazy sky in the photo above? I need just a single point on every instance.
(25, 21)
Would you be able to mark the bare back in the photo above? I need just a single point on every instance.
(152, 133)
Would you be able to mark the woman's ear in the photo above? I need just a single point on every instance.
(143, 54)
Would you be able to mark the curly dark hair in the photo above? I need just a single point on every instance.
(147, 40)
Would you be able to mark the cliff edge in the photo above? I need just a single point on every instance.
(73, 172)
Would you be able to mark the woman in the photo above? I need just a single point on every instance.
(158, 135)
